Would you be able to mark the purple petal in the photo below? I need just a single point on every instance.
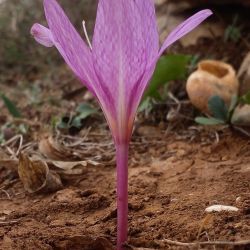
(42, 35)
(139, 89)
(185, 27)
(146, 9)
(69, 43)
(125, 41)
(119, 46)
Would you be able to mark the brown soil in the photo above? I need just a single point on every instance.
(172, 180)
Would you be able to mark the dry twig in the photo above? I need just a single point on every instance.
(6, 193)
(207, 243)
(7, 223)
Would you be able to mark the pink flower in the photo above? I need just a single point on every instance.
(116, 68)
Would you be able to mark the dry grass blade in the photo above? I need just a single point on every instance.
(11, 142)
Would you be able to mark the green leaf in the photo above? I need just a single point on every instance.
(54, 122)
(62, 125)
(146, 105)
(233, 31)
(2, 140)
(84, 110)
(218, 108)
(233, 103)
(10, 106)
(64, 122)
(168, 68)
(22, 128)
(208, 121)
(76, 122)
(245, 99)
(193, 62)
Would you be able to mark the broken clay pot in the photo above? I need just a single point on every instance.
(212, 78)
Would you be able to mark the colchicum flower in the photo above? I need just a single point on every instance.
(116, 68)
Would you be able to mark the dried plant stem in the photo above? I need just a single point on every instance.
(207, 243)
(6, 193)
(7, 223)
(195, 244)
(122, 193)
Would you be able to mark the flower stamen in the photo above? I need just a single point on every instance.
(86, 34)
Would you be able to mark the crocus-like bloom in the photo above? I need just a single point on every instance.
(116, 68)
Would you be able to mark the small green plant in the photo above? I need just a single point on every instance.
(13, 110)
(221, 114)
(9, 129)
(147, 105)
(233, 31)
(76, 121)
(245, 99)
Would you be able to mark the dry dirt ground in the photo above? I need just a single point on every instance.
(172, 179)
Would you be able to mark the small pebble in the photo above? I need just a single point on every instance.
(221, 208)
(57, 223)
(238, 200)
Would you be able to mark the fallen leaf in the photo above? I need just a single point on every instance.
(69, 165)
(36, 176)
(71, 168)
(52, 149)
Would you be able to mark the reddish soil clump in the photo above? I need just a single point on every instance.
(176, 178)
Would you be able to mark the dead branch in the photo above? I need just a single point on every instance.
(207, 243)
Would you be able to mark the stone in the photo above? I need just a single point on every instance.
(241, 115)
(221, 208)
(244, 75)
